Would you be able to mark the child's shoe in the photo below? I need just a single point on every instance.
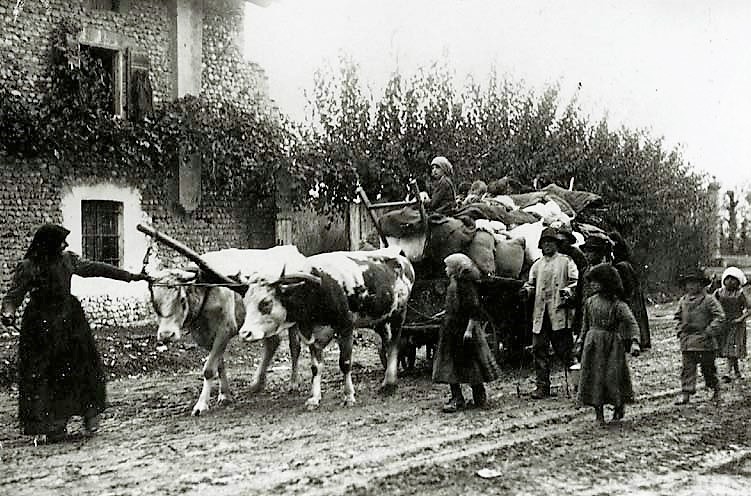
(716, 395)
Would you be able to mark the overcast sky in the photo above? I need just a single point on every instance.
(680, 68)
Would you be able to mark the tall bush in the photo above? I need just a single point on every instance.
(501, 128)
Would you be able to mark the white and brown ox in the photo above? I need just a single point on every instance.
(213, 315)
(327, 296)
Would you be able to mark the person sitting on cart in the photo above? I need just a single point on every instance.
(552, 279)
(443, 194)
(463, 354)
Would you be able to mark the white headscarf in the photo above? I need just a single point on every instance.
(734, 272)
(444, 164)
(462, 267)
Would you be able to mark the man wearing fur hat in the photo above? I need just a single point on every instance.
(443, 194)
(553, 279)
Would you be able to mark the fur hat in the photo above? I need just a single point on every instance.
(596, 244)
(548, 233)
(608, 277)
(444, 164)
(566, 235)
(461, 266)
(694, 274)
(735, 272)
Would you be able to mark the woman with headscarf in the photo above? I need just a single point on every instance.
(60, 371)
(608, 330)
(735, 305)
(463, 355)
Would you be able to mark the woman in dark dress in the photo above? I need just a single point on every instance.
(464, 355)
(60, 371)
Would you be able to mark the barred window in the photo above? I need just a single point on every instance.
(101, 225)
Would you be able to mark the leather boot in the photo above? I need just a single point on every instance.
(91, 425)
(599, 416)
(456, 402)
(619, 412)
(479, 396)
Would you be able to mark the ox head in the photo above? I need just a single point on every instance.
(170, 301)
(412, 246)
(269, 304)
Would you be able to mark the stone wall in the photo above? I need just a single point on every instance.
(225, 72)
(145, 28)
(33, 192)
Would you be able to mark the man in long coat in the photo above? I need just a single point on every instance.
(553, 279)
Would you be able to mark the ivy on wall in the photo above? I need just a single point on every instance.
(241, 149)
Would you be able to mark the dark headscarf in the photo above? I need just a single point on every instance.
(46, 242)
(609, 279)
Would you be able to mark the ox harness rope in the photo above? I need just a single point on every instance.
(188, 319)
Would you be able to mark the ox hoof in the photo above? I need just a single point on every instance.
(387, 389)
(312, 403)
(349, 402)
(198, 410)
(257, 387)
(224, 400)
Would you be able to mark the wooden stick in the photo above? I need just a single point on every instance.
(179, 247)
(368, 206)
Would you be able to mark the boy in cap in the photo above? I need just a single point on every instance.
(443, 198)
(553, 279)
(700, 322)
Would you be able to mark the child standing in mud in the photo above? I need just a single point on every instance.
(735, 305)
(609, 329)
(700, 323)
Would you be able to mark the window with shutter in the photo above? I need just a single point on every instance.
(102, 231)
(114, 63)
(112, 5)
(140, 95)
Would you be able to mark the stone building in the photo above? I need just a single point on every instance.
(176, 48)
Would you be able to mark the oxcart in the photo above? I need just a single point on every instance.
(508, 315)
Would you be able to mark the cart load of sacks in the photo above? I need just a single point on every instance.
(499, 233)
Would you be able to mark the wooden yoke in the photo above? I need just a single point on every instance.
(193, 257)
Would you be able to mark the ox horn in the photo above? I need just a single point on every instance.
(289, 280)
(296, 279)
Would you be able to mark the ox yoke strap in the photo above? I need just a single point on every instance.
(190, 320)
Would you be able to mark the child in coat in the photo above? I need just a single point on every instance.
(700, 323)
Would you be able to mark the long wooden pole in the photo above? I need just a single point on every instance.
(369, 208)
(192, 256)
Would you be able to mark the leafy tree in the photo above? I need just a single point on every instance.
(501, 128)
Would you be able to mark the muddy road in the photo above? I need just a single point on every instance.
(269, 443)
